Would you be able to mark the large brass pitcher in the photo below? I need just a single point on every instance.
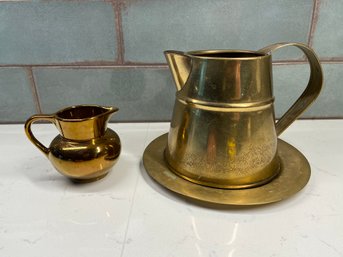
(223, 132)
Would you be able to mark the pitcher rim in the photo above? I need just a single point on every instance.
(206, 54)
(109, 109)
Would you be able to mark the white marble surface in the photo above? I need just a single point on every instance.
(126, 214)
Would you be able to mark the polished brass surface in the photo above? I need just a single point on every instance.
(294, 175)
(223, 132)
(86, 149)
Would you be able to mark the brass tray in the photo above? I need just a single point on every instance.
(294, 175)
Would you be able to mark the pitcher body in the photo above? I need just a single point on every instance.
(223, 131)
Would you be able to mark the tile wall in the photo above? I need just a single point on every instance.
(110, 52)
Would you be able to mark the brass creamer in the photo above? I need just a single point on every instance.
(223, 132)
(86, 149)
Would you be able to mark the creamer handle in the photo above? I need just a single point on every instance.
(310, 93)
(30, 135)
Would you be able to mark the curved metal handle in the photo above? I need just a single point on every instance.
(30, 135)
(311, 92)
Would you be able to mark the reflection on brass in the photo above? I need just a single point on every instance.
(86, 149)
(223, 133)
(294, 175)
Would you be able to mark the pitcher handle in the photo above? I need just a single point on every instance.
(311, 92)
(30, 135)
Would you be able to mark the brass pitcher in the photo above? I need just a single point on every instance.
(223, 132)
(86, 149)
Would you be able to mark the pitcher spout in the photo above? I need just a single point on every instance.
(180, 66)
(109, 110)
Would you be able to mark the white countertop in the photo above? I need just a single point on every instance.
(127, 214)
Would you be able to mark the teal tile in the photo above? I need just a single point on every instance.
(56, 32)
(328, 36)
(290, 81)
(16, 101)
(330, 102)
(140, 94)
(147, 94)
(150, 27)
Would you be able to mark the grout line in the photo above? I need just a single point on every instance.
(145, 63)
(49, 1)
(321, 118)
(34, 91)
(281, 62)
(138, 64)
(86, 63)
(85, 66)
(119, 31)
(95, 65)
(15, 1)
(140, 121)
(314, 20)
(332, 60)
(100, 65)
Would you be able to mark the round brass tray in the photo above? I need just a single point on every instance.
(294, 175)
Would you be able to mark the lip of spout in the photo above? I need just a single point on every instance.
(180, 66)
(111, 109)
